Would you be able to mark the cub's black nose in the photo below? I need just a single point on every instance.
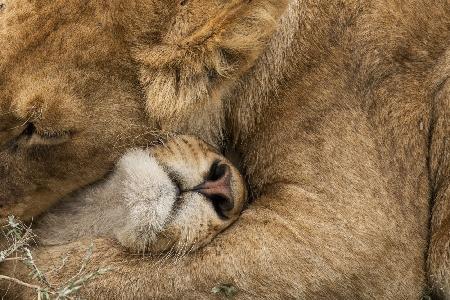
(217, 188)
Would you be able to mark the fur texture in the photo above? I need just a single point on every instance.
(338, 112)
(141, 205)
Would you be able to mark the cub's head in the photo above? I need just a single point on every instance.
(82, 81)
(178, 196)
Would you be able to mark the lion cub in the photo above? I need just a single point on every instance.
(172, 197)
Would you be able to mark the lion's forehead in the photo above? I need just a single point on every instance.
(50, 45)
(52, 29)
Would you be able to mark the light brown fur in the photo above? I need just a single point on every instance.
(152, 202)
(340, 116)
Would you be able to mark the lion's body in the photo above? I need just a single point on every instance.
(342, 124)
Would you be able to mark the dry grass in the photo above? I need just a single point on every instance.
(20, 240)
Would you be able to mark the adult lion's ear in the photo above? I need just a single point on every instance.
(208, 44)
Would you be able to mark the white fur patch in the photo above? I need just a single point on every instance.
(133, 204)
(149, 195)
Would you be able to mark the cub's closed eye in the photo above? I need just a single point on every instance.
(35, 136)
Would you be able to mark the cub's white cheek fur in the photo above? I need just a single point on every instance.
(132, 204)
(148, 195)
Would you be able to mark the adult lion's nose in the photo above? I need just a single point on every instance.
(217, 188)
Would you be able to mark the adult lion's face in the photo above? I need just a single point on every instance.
(81, 81)
(70, 103)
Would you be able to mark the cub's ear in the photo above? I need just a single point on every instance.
(207, 45)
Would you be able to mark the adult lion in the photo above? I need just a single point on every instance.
(338, 109)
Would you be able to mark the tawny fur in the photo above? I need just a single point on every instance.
(141, 205)
(338, 109)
